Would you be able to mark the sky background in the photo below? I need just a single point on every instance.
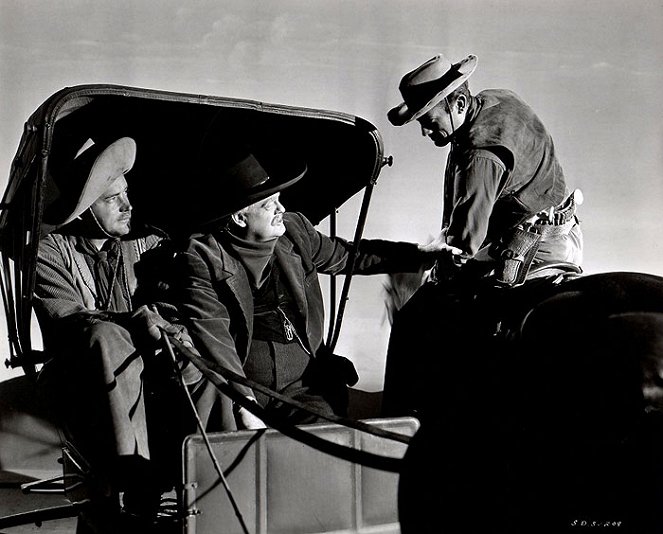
(592, 70)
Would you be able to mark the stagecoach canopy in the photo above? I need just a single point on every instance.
(343, 154)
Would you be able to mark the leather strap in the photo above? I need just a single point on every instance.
(219, 376)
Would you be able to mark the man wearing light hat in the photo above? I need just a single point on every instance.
(98, 335)
(250, 296)
(504, 190)
(506, 209)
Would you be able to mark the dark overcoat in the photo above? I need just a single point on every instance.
(215, 296)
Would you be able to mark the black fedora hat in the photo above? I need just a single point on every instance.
(244, 180)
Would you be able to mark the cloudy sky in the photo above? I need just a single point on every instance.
(592, 69)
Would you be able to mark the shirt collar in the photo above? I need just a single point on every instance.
(474, 106)
(85, 246)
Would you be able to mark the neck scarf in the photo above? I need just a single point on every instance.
(107, 268)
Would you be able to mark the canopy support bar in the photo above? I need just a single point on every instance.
(361, 222)
(332, 283)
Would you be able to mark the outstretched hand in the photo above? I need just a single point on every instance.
(439, 246)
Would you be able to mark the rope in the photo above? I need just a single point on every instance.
(212, 367)
(201, 427)
(216, 374)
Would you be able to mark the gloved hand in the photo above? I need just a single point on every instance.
(245, 419)
(147, 320)
(150, 323)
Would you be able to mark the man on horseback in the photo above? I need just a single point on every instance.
(506, 202)
(507, 211)
(453, 359)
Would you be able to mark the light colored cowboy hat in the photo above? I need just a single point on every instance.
(428, 85)
(94, 169)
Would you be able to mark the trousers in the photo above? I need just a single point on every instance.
(97, 384)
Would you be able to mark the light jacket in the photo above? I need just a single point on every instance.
(65, 285)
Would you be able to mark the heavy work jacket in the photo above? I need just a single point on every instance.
(501, 170)
(64, 287)
(215, 296)
(94, 379)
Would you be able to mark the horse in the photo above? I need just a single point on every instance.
(541, 406)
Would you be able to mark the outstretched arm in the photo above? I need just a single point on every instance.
(331, 255)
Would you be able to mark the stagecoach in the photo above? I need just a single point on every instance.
(344, 156)
(543, 430)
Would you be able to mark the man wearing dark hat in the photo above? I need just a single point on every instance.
(251, 298)
(506, 200)
(99, 336)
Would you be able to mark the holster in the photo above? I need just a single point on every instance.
(515, 253)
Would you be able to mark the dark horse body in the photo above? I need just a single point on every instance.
(541, 407)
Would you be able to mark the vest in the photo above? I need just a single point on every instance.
(507, 126)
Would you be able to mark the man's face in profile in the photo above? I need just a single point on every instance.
(113, 209)
(263, 220)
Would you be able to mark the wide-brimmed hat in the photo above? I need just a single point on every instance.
(94, 168)
(243, 180)
(428, 85)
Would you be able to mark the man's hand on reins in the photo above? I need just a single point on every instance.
(148, 320)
